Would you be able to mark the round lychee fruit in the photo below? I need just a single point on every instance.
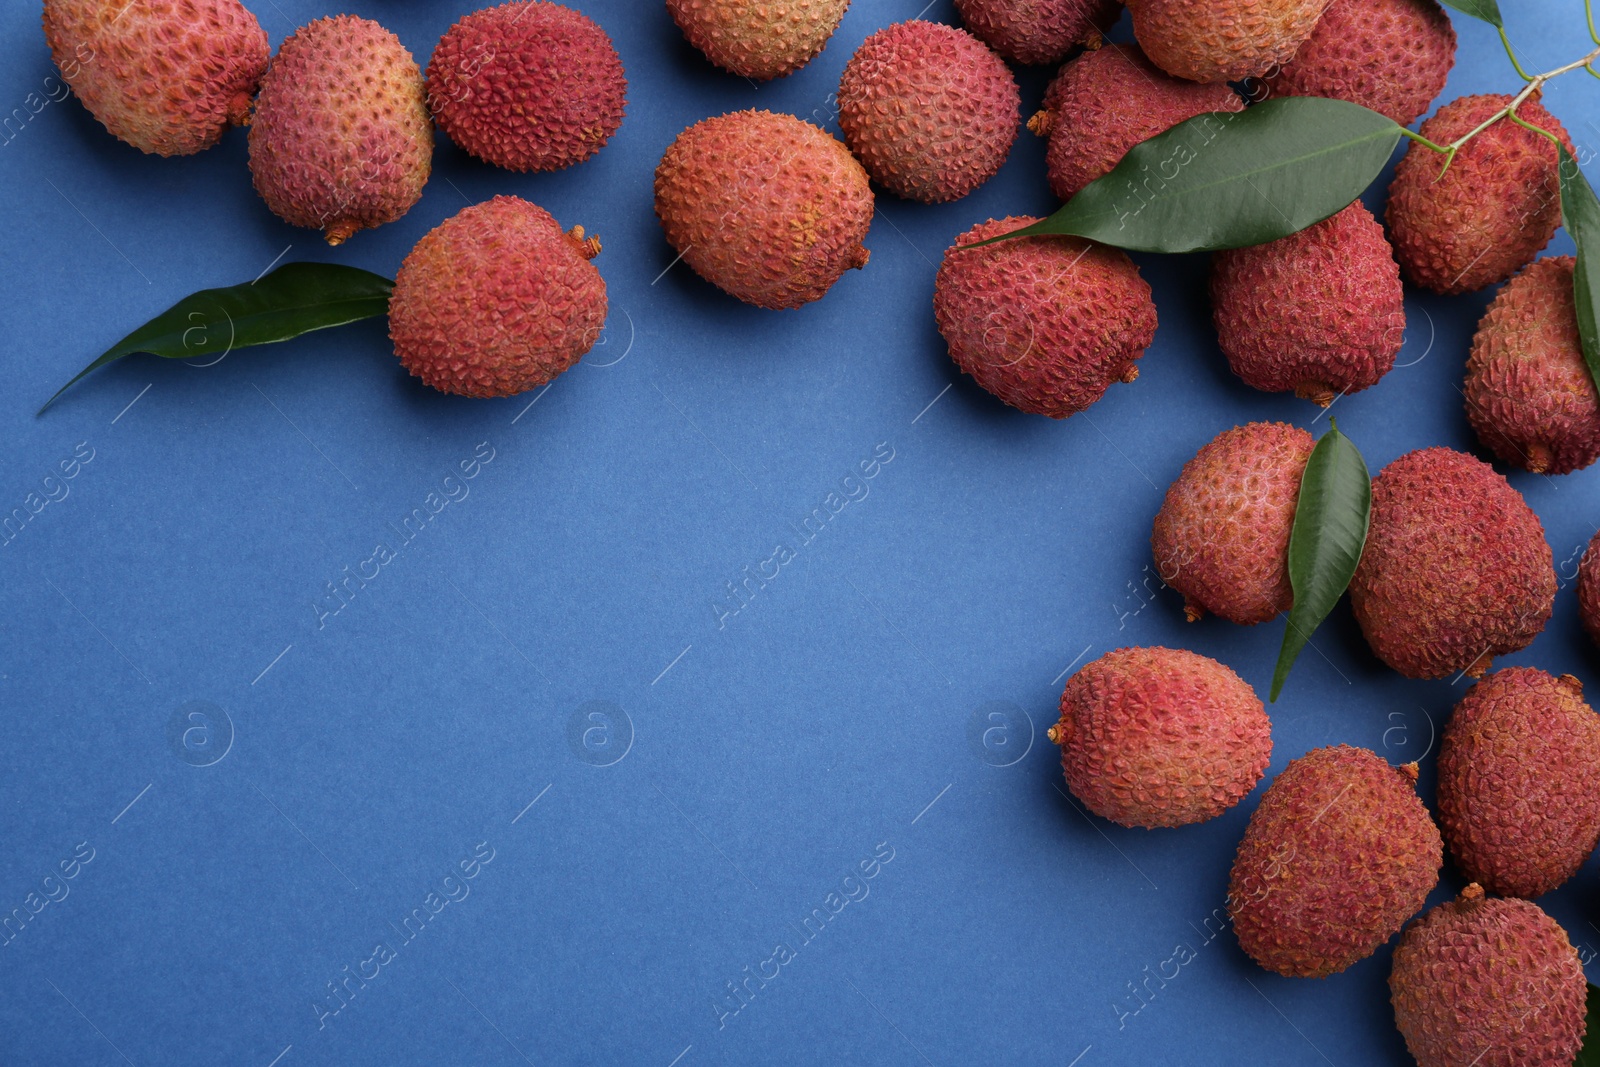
(1222, 40)
(167, 76)
(929, 110)
(1456, 569)
(1589, 589)
(758, 39)
(1104, 102)
(527, 85)
(1221, 538)
(768, 208)
(342, 140)
(1339, 853)
(1320, 312)
(1529, 393)
(1518, 765)
(1392, 56)
(1044, 323)
(1479, 982)
(496, 300)
(1161, 737)
(1038, 31)
(1499, 202)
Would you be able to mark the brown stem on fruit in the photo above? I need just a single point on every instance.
(1319, 393)
(1473, 894)
(1056, 734)
(1409, 771)
(588, 247)
(1191, 611)
(1042, 123)
(1572, 683)
(1538, 459)
(342, 230)
(1131, 374)
(239, 109)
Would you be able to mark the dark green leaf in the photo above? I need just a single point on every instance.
(1589, 1055)
(296, 298)
(1330, 530)
(1580, 212)
(1487, 10)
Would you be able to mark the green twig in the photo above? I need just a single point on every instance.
(1588, 12)
(1511, 52)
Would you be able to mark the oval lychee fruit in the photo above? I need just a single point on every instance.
(1529, 393)
(496, 300)
(758, 39)
(1518, 765)
(1221, 538)
(1479, 982)
(929, 110)
(168, 78)
(527, 86)
(1104, 102)
(1499, 202)
(341, 140)
(768, 208)
(1222, 40)
(1456, 569)
(1339, 853)
(1038, 31)
(1044, 323)
(1589, 589)
(1320, 312)
(1161, 737)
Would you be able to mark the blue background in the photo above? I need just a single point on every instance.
(551, 637)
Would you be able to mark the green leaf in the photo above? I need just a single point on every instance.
(296, 298)
(1226, 180)
(1330, 530)
(1580, 211)
(1589, 1054)
(1487, 10)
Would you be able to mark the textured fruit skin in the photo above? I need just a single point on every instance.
(1488, 983)
(342, 140)
(768, 208)
(1320, 312)
(167, 76)
(496, 300)
(528, 86)
(1222, 40)
(1529, 394)
(1106, 101)
(760, 39)
(929, 110)
(1589, 589)
(1491, 212)
(1456, 569)
(1517, 767)
(1044, 323)
(1161, 737)
(1339, 853)
(1390, 55)
(1221, 537)
(1037, 31)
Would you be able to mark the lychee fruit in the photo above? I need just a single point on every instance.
(527, 86)
(758, 39)
(1320, 312)
(342, 140)
(1044, 323)
(1499, 202)
(1104, 102)
(1456, 569)
(1221, 538)
(1038, 31)
(167, 76)
(1222, 40)
(1392, 56)
(1161, 737)
(1338, 854)
(1529, 393)
(929, 110)
(766, 207)
(1480, 982)
(496, 300)
(1589, 589)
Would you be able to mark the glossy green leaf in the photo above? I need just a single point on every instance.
(1589, 1054)
(1487, 10)
(296, 298)
(1580, 212)
(1330, 530)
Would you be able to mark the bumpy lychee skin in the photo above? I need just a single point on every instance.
(758, 39)
(1529, 393)
(1456, 569)
(1038, 31)
(1319, 313)
(1339, 853)
(1479, 982)
(1046, 324)
(496, 300)
(167, 76)
(1589, 589)
(1222, 40)
(1104, 102)
(768, 208)
(1221, 538)
(1161, 737)
(527, 86)
(1518, 764)
(1459, 229)
(929, 110)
